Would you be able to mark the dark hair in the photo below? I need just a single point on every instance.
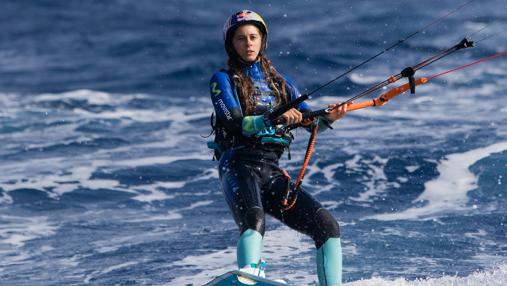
(244, 84)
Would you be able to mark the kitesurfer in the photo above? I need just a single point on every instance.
(248, 147)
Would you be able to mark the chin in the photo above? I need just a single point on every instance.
(250, 58)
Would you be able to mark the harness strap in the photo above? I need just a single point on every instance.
(292, 195)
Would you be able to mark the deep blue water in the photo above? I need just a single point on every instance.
(106, 180)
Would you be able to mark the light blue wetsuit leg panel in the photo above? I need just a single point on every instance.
(249, 248)
(329, 262)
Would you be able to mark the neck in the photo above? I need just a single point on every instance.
(248, 64)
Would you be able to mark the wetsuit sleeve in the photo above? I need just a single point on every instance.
(227, 108)
(304, 107)
(294, 93)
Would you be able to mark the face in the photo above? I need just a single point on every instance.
(247, 41)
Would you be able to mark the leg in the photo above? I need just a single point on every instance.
(309, 217)
(329, 262)
(241, 188)
(250, 241)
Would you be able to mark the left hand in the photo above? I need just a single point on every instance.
(292, 116)
(336, 113)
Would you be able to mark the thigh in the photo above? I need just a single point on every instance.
(300, 216)
(307, 216)
(240, 184)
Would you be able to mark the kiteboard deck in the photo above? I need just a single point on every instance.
(238, 278)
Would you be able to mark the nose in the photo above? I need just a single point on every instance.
(249, 42)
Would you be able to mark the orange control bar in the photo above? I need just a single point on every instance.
(385, 97)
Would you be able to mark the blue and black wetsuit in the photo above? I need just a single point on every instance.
(253, 182)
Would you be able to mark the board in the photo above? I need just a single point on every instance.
(238, 278)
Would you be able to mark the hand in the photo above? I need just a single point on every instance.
(337, 113)
(293, 116)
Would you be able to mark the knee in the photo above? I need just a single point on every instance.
(254, 219)
(327, 227)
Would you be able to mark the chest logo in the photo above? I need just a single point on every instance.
(216, 91)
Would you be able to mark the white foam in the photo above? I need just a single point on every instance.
(412, 169)
(448, 192)
(147, 161)
(5, 198)
(495, 277)
(175, 114)
(328, 171)
(11, 257)
(374, 179)
(8, 102)
(173, 214)
(330, 205)
(119, 240)
(152, 195)
(17, 230)
(362, 79)
(90, 96)
(210, 265)
(69, 175)
(108, 270)
(60, 183)
(69, 262)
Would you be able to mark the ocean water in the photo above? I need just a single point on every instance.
(105, 178)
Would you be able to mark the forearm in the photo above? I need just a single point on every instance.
(252, 125)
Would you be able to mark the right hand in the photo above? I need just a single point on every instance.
(337, 113)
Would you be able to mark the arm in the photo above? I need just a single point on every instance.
(228, 108)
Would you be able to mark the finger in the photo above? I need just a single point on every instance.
(285, 117)
(298, 116)
(289, 116)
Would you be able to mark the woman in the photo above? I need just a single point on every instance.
(249, 147)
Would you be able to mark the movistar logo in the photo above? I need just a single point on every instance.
(226, 111)
(216, 91)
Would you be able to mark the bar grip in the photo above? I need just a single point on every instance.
(277, 112)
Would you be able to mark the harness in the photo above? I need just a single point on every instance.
(224, 140)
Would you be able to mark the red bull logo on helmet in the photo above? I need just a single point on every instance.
(243, 16)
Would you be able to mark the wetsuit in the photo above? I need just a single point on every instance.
(254, 184)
